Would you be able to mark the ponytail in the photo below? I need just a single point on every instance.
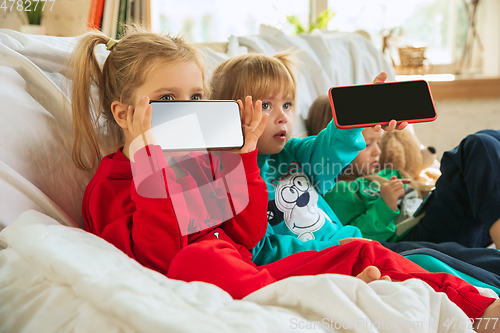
(86, 73)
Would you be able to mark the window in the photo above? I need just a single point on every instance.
(216, 20)
(439, 25)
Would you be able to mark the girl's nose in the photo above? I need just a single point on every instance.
(282, 117)
(377, 150)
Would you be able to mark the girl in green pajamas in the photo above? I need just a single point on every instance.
(463, 209)
(374, 201)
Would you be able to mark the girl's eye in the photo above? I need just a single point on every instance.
(266, 106)
(287, 106)
(196, 97)
(168, 97)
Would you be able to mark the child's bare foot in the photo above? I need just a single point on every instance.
(495, 233)
(488, 322)
(372, 273)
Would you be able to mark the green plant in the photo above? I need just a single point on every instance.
(35, 16)
(33, 13)
(320, 23)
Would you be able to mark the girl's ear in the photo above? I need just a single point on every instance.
(119, 111)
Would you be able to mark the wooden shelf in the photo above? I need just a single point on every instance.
(465, 88)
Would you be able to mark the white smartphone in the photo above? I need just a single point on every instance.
(197, 125)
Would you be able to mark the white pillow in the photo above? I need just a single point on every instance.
(35, 170)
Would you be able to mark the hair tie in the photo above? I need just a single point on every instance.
(111, 42)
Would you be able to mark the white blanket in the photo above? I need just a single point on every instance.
(55, 278)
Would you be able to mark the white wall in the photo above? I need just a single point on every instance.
(490, 36)
(456, 119)
(67, 18)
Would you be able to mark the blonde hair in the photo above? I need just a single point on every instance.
(319, 115)
(350, 176)
(256, 75)
(126, 68)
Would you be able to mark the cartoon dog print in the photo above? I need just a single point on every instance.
(298, 200)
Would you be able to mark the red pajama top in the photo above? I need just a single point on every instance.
(147, 226)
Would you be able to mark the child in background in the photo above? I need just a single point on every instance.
(149, 227)
(465, 205)
(372, 202)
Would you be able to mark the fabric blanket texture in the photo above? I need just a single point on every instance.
(60, 279)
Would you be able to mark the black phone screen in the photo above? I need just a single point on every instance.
(380, 103)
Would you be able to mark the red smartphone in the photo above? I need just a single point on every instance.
(378, 103)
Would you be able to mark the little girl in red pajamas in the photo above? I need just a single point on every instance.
(157, 210)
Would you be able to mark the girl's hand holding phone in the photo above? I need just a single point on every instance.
(139, 126)
(393, 125)
(253, 124)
